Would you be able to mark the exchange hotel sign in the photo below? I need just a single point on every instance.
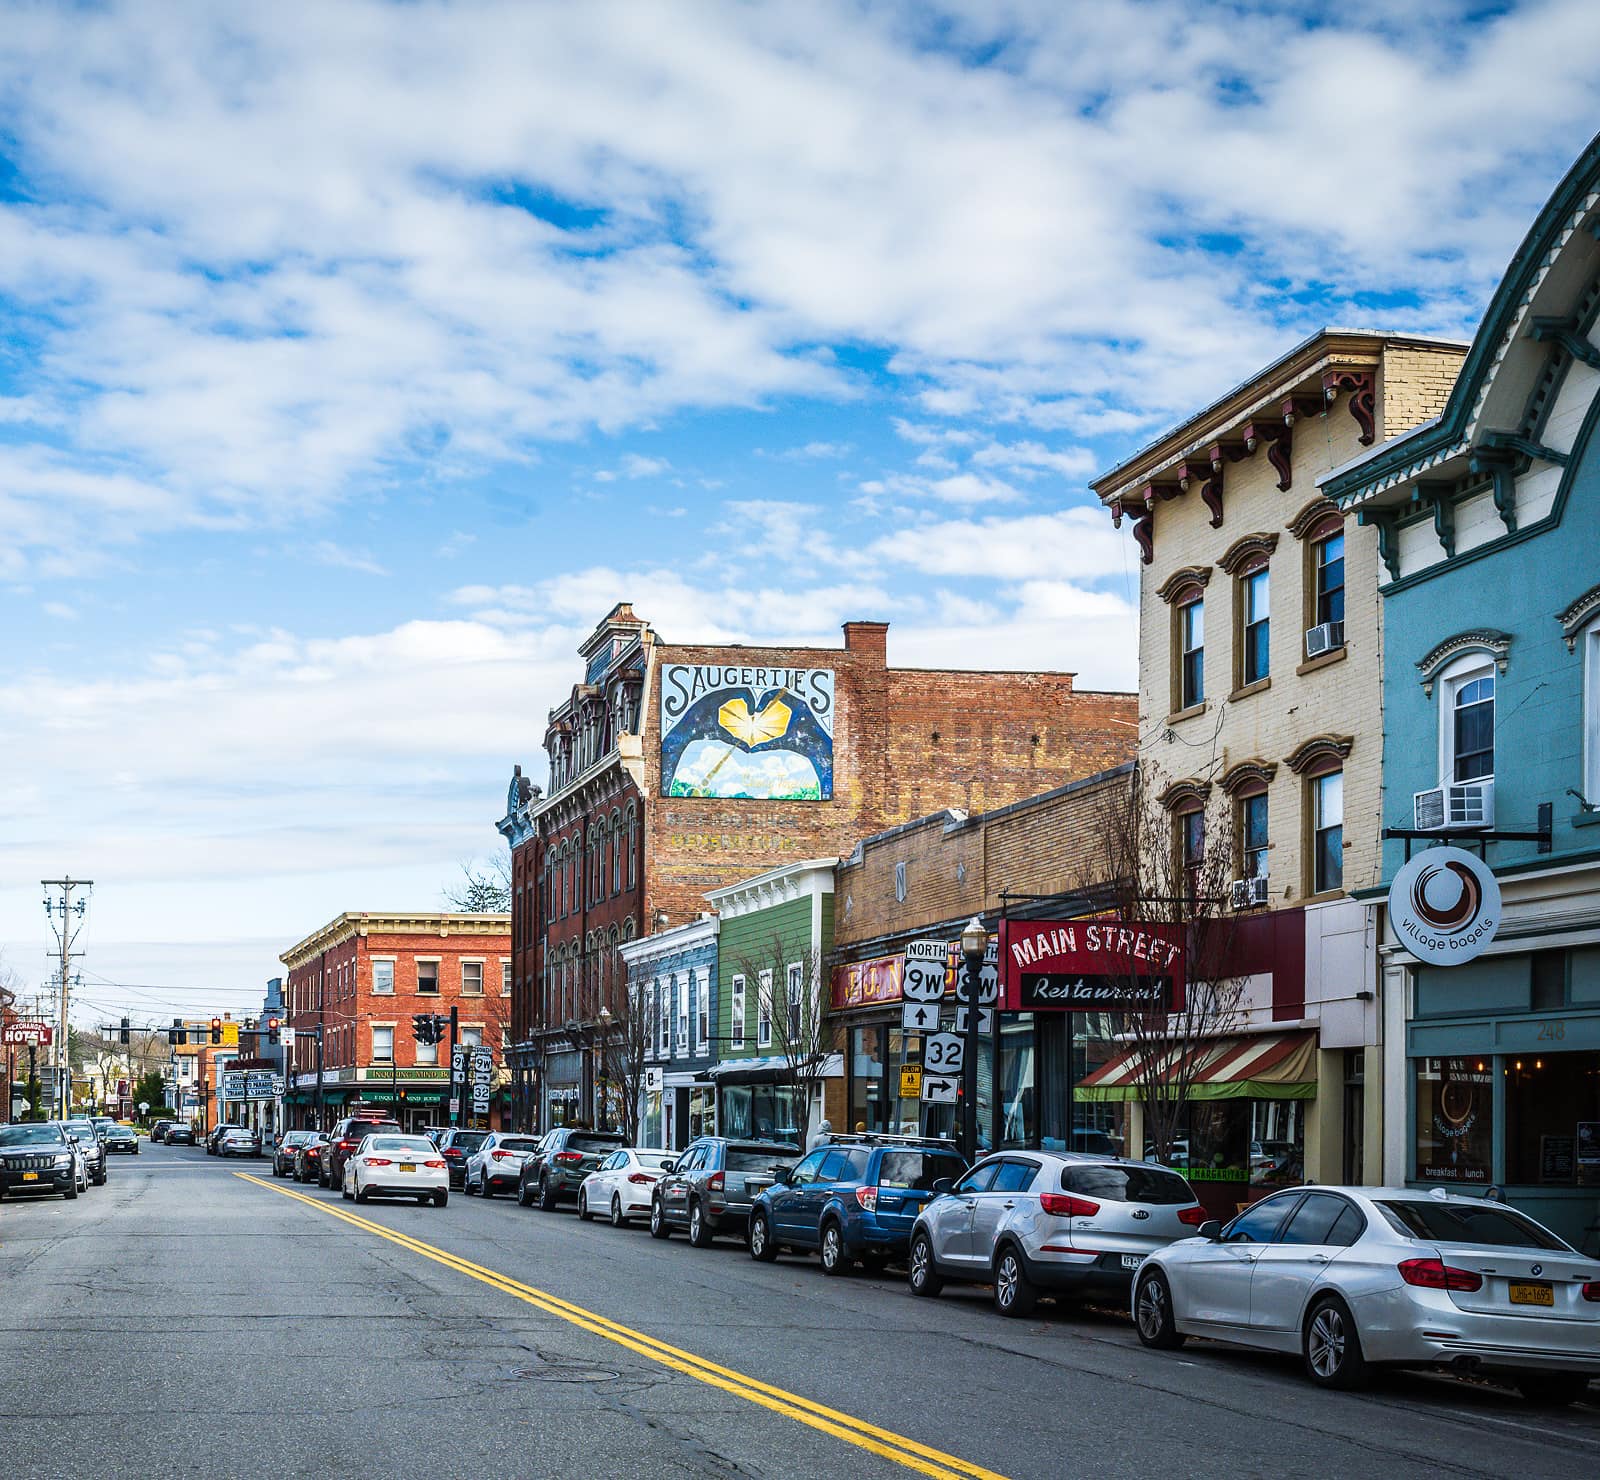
(1089, 965)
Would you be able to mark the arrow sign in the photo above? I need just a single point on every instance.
(919, 1017)
(985, 1020)
(938, 1089)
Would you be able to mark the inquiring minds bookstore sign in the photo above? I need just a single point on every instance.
(1102, 965)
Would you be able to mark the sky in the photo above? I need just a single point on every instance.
(356, 359)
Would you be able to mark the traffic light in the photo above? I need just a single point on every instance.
(273, 1024)
(177, 1033)
(216, 1030)
(123, 1033)
(425, 1028)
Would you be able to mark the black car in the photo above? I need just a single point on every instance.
(714, 1184)
(92, 1147)
(346, 1135)
(38, 1158)
(122, 1138)
(309, 1156)
(566, 1155)
(456, 1145)
(158, 1131)
(283, 1154)
(179, 1134)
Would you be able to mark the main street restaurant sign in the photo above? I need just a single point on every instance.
(1102, 965)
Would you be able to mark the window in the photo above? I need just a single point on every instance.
(472, 978)
(505, 978)
(427, 1054)
(680, 991)
(1327, 580)
(764, 1011)
(633, 844)
(1253, 835)
(1327, 831)
(663, 1019)
(1259, 1224)
(736, 1013)
(1471, 723)
(472, 1037)
(1547, 1097)
(428, 977)
(1191, 844)
(383, 978)
(383, 1045)
(702, 1037)
(796, 1005)
(807, 1169)
(616, 853)
(1255, 626)
(1191, 620)
(1015, 1176)
(1591, 713)
(979, 1178)
(1455, 1119)
(1319, 1218)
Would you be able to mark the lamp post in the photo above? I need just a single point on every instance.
(605, 1028)
(974, 944)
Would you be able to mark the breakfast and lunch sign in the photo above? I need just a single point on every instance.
(1100, 965)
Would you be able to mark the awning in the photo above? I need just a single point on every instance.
(734, 1071)
(1256, 1066)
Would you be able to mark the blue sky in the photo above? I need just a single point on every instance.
(354, 360)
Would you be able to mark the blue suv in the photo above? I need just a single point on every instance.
(856, 1197)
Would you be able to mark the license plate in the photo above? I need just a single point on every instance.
(1132, 1261)
(1524, 1293)
(408, 1166)
(30, 1176)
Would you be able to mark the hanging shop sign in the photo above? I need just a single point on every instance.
(1101, 965)
(26, 1031)
(1444, 906)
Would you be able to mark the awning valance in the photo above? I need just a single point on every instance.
(733, 1071)
(1255, 1066)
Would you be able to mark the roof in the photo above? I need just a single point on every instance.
(361, 922)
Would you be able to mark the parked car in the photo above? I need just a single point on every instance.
(122, 1138)
(857, 1197)
(714, 1184)
(284, 1152)
(1352, 1278)
(179, 1134)
(456, 1145)
(495, 1165)
(1034, 1223)
(158, 1131)
(239, 1140)
(396, 1166)
(309, 1157)
(40, 1157)
(343, 1139)
(621, 1185)
(92, 1146)
(214, 1137)
(554, 1172)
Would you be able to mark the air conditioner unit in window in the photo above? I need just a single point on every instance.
(1245, 894)
(1325, 637)
(1454, 804)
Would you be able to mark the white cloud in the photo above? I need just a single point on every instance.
(344, 557)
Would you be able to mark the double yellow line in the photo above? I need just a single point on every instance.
(852, 1430)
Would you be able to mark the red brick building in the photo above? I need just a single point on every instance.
(360, 980)
(677, 769)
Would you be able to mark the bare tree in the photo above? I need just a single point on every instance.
(1168, 862)
(484, 887)
(624, 1046)
(789, 979)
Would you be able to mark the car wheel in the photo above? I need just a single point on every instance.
(485, 1187)
(700, 1234)
(72, 1190)
(762, 1246)
(136, 1150)
(362, 1195)
(584, 1214)
(1152, 1313)
(441, 1199)
(617, 1220)
(547, 1195)
(921, 1275)
(524, 1195)
(835, 1258)
(1331, 1346)
(658, 1221)
(1553, 1389)
(344, 1192)
(1014, 1292)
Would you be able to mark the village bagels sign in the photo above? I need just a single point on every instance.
(1444, 906)
(1101, 965)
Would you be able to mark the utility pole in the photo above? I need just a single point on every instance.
(66, 921)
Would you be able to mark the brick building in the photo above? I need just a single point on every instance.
(1260, 670)
(675, 770)
(358, 982)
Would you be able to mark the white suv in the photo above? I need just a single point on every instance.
(1044, 1222)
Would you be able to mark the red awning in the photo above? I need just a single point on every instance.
(1253, 1066)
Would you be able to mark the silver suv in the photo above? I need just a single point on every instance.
(1041, 1222)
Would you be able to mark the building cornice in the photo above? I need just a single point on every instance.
(801, 880)
(694, 936)
(362, 923)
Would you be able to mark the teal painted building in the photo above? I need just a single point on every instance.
(1489, 534)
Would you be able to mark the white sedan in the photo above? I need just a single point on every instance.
(397, 1166)
(1352, 1277)
(621, 1185)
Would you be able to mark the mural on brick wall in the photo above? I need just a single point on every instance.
(746, 731)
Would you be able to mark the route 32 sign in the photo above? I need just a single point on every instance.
(944, 1053)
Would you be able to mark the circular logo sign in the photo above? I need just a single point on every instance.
(1445, 906)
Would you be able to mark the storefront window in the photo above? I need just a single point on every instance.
(1018, 1081)
(868, 1112)
(1548, 1096)
(1455, 1119)
(764, 1112)
(702, 1112)
(653, 1133)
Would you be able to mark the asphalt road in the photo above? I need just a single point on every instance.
(185, 1321)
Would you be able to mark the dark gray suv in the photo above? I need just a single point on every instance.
(711, 1189)
(566, 1155)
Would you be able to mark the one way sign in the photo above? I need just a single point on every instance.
(939, 1089)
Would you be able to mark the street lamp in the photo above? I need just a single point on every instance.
(605, 1028)
(974, 946)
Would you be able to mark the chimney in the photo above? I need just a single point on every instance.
(870, 639)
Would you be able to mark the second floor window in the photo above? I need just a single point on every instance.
(1327, 832)
(427, 1054)
(1255, 627)
(703, 1029)
(796, 1005)
(472, 978)
(736, 1013)
(428, 977)
(664, 1017)
(681, 991)
(383, 977)
(1253, 835)
(383, 1045)
(1472, 728)
(1327, 557)
(1191, 653)
(1192, 849)
(764, 1011)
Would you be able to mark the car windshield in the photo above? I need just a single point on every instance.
(420, 1144)
(1128, 1184)
(761, 1158)
(593, 1143)
(30, 1135)
(918, 1170)
(1467, 1223)
(83, 1129)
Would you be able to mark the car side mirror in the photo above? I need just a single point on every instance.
(668, 1166)
(943, 1185)
(781, 1176)
(1211, 1229)
(72, 1138)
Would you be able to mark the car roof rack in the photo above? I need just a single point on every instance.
(886, 1138)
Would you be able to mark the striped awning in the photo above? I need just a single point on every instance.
(1255, 1066)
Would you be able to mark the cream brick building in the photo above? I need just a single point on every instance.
(1260, 680)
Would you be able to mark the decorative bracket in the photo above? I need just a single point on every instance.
(1501, 466)
(1564, 332)
(1144, 535)
(1384, 521)
(1436, 495)
(1576, 616)
(1363, 398)
(1205, 469)
(1512, 442)
(1279, 439)
(1478, 639)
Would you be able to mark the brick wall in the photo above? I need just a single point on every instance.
(1414, 382)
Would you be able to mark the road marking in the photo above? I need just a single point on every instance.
(908, 1452)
